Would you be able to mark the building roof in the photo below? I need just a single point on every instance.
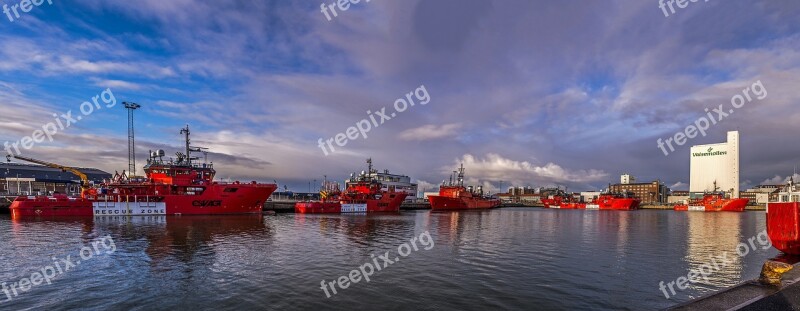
(44, 173)
(638, 184)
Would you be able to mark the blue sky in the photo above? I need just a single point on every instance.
(533, 93)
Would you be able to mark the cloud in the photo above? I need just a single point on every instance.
(430, 132)
(495, 168)
(679, 186)
(565, 93)
(780, 180)
(119, 84)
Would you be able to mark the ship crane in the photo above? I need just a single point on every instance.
(84, 179)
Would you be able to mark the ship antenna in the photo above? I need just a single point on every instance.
(185, 131)
(369, 168)
(461, 175)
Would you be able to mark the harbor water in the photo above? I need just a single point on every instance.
(502, 259)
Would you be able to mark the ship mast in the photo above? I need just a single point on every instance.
(461, 175)
(368, 177)
(185, 131)
(189, 149)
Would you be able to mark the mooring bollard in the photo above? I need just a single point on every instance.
(772, 271)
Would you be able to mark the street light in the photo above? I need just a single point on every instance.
(277, 188)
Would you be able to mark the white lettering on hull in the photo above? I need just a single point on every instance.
(592, 206)
(354, 208)
(697, 208)
(129, 208)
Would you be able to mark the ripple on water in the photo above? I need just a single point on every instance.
(513, 259)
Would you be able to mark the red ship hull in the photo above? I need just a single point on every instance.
(217, 199)
(461, 203)
(389, 202)
(619, 204)
(551, 203)
(565, 205)
(783, 226)
(559, 202)
(722, 205)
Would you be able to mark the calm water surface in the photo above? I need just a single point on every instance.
(515, 259)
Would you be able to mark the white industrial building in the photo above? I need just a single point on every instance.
(716, 164)
(627, 179)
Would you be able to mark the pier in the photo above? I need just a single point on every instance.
(753, 295)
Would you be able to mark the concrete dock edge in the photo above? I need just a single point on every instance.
(751, 295)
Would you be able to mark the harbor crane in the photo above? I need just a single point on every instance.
(84, 179)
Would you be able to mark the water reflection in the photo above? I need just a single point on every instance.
(178, 237)
(517, 259)
(711, 237)
(359, 229)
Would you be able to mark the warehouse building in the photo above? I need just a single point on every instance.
(652, 192)
(24, 179)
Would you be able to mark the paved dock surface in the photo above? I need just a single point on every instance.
(752, 295)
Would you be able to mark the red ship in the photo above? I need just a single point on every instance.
(783, 220)
(362, 195)
(175, 187)
(454, 196)
(559, 199)
(714, 202)
(615, 201)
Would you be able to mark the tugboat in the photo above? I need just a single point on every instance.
(714, 202)
(176, 187)
(454, 196)
(362, 195)
(783, 220)
(615, 201)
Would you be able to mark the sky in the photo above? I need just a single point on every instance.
(525, 93)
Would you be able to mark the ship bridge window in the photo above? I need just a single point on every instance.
(230, 189)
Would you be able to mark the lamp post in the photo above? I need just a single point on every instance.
(277, 188)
